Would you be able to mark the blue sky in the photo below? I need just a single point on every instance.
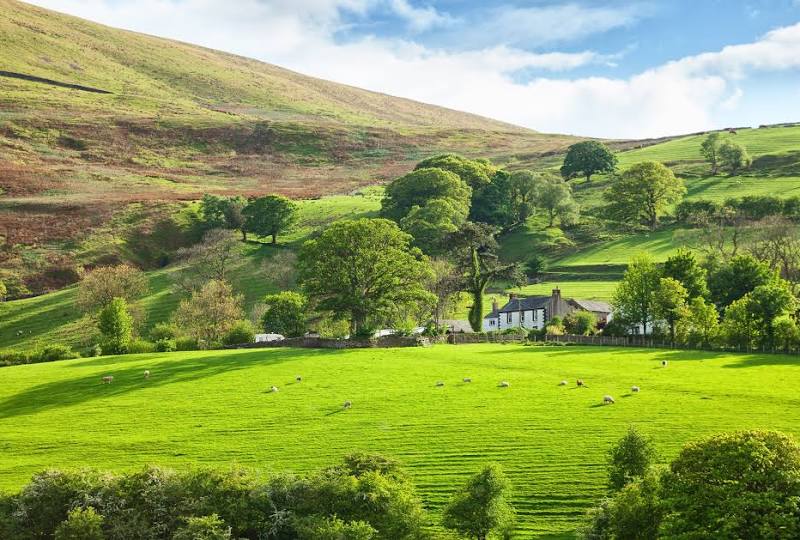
(603, 68)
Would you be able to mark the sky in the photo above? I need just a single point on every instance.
(605, 68)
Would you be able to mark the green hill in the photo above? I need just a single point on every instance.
(213, 409)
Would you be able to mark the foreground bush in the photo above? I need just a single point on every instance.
(365, 497)
(48, 353)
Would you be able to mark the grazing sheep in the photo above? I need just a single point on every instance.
(439, 383)
(147, 374)
(467, 379)
(504, 384)
(273, 389)
(108, 379)
(347, 404)
(562, 383)
(298, 378)
(579, 382)
(663, 363)
(634, 388)
(608, 400)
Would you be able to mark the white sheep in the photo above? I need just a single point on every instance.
(562, 383)
(634, 388)
(108, 379)
(467, 379)
(273, 389)
(439, 383)
(147, 374)
(347, 404)
(608, 400)
(298, 378)
(504, 384)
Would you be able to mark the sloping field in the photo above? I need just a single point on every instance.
(212, 408)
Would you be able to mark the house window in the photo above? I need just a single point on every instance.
(534, 315)
(508, 318)
(491, 322)
(522, 317)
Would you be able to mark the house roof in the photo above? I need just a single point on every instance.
(528, 303)
(592, 305)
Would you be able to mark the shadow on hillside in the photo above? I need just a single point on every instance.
(757, 359)
(128, 377)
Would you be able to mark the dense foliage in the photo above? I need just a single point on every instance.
(587, 158)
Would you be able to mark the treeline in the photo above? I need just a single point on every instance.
(366, 497)
(699, 212)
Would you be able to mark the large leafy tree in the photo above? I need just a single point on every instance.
(475, 247)
(630, 458)
(643, 193)
(733, 156)
(211, 258)
(223, 213)
(431, 223)
(767, 303)
(476, 173)
(269, 216)
(734, 485)
(709, 149)
(701, 325)
(669, 303)
(587, 158)
(555, 198)
(286, 314)
(737, 277)
(103, 284)
(509, 200)
(422, 186)
(683, 267)
(116, 325)
(634, 297)
(209, 313)
(481, 507)
(364, 270)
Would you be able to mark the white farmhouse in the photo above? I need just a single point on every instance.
(531, 312)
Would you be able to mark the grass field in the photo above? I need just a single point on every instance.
(211, 408)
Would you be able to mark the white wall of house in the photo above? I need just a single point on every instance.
(529, 319)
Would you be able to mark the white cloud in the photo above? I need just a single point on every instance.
(420, 18)
(690, 94)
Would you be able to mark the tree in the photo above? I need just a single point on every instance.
(581, 322)
(203, 528)
(734, 157)
(475, 247)
(286, 314)
(669, 303)
(281, 269)
(209, 259)
(525, 187)
(629, 459)
(509, 200)
(683, 267)
(240, 332)
(422, 186)
(475, 173)
(643, 193)
(481, 506)
(634, 296)
(734, 485)
(767, 303)
(555, 197)
(587, 158)
(709, 149)
(105, 283)
(701, 325)
(635, 511)
(737, 277)
(364, 270)
(535, 266)
(738, 326)
(269, 216)
(446, 285)
(209, 313)
(786, 332)
(81, 524)
(431, 223)
(223, 213)
(776, 241)
(116, 325)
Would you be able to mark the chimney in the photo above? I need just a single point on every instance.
(495, 307)
(512, 296)
(556, 294)
(555, 301)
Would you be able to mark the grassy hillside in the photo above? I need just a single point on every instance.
(212, 408)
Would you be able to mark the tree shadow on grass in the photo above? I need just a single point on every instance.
(129, 377)
(746, 360)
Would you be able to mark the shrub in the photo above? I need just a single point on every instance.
(535, 266)
(166, 345)
(757, 206)
(635, 512)
(481, 508)
(140, 346)
(116, 325)
(163, 330)
(580, 323)
(186, 344)
(51, 353)
(319, 528)
(203, 528)
(694, 213)
(81, 524)
(629, 459)
(241, 332)
(734, 485)
(95, 350)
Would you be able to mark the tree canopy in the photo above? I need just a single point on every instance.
(481, 507)
(643, 193)
(587, 158)
(476, 173)
(733, 156)
(737, 277)
(364, 270)
(709, 149)
(683, 267)
(269, 216)
(422, 186)
(634, 296)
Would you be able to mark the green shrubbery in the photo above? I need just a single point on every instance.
(363, 498)
(48, 353)
(241, 332)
